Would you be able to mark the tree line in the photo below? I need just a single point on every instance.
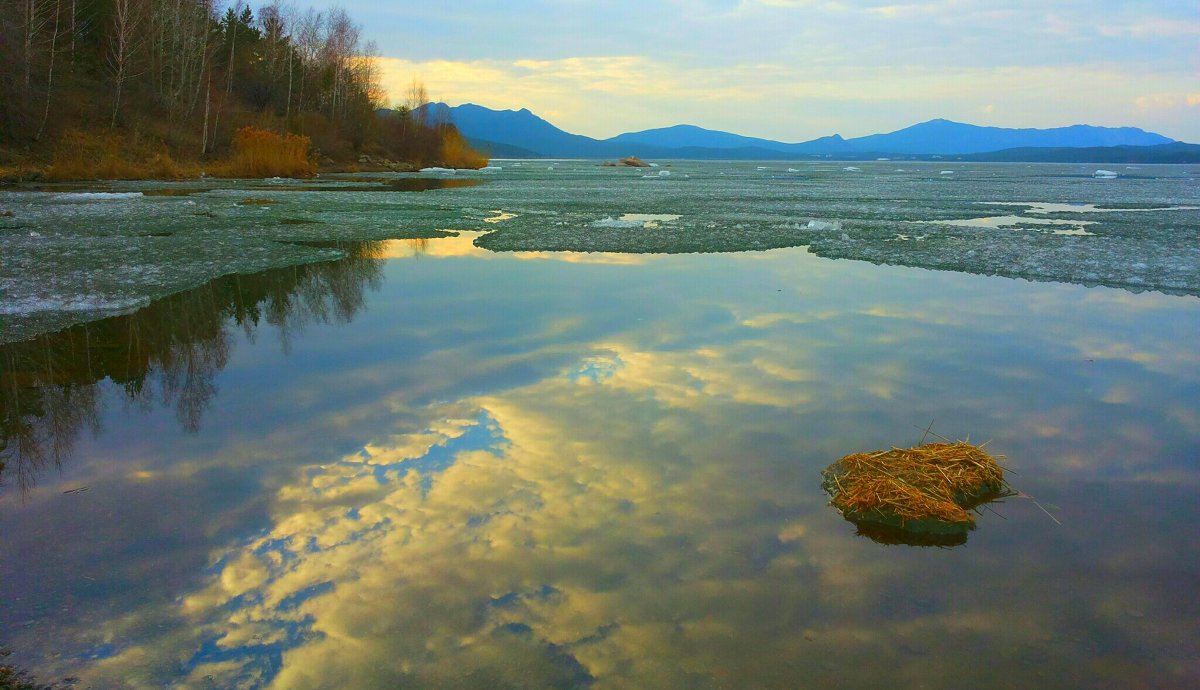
(187, 74)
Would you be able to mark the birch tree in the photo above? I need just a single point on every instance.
(121, 49)
(50, 71)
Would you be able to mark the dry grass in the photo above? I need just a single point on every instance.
(937, 482)
(106, 156)
(263, 153)
(12, 174)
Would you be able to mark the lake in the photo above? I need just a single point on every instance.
(568, 430)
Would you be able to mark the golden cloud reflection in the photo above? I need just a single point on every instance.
(547, 536)
(463, 245)
(592, 528)
(602, 527)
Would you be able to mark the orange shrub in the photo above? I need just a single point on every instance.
(263, 153)
(457, 153)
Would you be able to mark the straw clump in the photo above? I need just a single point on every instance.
(927, 488)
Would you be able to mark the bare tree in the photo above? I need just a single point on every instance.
(121, 49)
(289, 19)
(50, 73)
(32, 25)
(414, 97)
(308, 41)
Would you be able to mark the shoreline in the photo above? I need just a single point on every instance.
(24, 175)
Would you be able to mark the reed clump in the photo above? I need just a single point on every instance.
(927, 488)
(263, 153)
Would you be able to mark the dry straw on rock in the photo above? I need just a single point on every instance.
(925, 489)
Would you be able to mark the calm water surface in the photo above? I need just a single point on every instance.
(430, 465)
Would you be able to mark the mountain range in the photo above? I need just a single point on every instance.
(522, 134)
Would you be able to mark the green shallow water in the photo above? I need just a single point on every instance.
(428, 464)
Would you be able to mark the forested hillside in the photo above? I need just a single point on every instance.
(144, 86)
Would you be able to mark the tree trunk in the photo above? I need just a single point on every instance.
(124, 25)
(287, 117)
(30, 8)
(50, 75)
(207, 101)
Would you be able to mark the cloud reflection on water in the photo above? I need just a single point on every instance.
(604, 527)
(641, 508)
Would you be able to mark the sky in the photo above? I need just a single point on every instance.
(794, 70)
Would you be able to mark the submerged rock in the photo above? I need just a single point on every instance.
(628, 162)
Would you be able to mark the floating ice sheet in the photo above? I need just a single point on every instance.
(125, 242)
(1137, 233)
(75, 256)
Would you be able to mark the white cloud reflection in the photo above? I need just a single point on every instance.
(648, 514)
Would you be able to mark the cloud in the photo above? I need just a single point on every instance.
(602, 72)
(1166, 102)
(1151, 28)
(603, 96)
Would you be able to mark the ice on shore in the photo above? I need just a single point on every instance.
(1104, 174)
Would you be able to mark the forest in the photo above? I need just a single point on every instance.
(171, 88)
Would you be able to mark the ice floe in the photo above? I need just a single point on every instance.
(635, 220)
(33, 304)
(610, 222)
(96, 196)
(62, 249)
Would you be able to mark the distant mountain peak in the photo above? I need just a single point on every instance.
(938, 136)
